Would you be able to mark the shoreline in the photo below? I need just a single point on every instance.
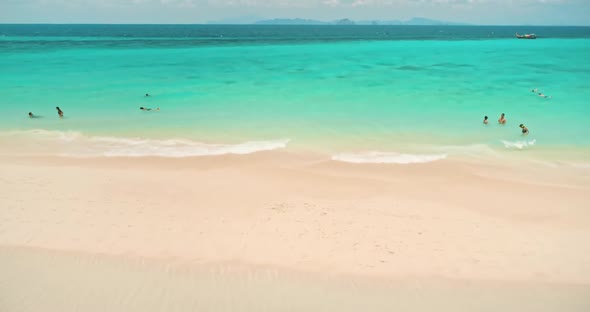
(33, 143)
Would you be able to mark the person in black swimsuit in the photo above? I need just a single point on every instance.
(525, 130)
(59, 111)
(148, 109)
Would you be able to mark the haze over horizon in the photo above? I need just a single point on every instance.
(476, 12)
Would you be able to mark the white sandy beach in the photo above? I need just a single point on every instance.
(279, 231)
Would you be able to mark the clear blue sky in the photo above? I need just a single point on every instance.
(497, 12)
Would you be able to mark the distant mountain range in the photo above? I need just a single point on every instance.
(345, 21)
(291, 21)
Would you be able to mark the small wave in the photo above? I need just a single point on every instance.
(65, 136)
(519, 144)
(76, 144)
(386, 158)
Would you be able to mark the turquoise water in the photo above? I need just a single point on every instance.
(341, 89)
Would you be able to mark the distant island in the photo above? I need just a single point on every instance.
(291, 21)
(345, 21)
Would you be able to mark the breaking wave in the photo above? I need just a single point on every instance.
(519, 144)
(76, 144)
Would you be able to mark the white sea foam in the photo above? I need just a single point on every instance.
(375, 157)
(519, 144)
(64, 136)
(71, 143)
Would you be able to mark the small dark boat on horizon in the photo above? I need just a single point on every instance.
(526, 36)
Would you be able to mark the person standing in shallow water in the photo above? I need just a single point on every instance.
(485, 120)
(59, 111)
(525, 130)
(502, 119)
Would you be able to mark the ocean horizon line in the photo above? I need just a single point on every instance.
(308, 25)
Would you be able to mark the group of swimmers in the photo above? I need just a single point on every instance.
(60, 113)
(145, 108)
(502, 121)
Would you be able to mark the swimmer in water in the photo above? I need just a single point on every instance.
(535, 90)
(147, 94)
(59, 111)
(148, 109)
(31, 115)
(544, 96)
(485, 120)
(525, 130)
(502, 120)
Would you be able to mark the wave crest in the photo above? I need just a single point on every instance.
(76, 144)
(519, 144)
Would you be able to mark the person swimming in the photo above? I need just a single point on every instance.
(485, 120)
(525, 130)
(148, 109)
(502, 119)
(535, 90)
(59, 111)
(544, 96)
(147, 94)
(31, 115)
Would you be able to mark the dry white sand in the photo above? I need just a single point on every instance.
(278, 231)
